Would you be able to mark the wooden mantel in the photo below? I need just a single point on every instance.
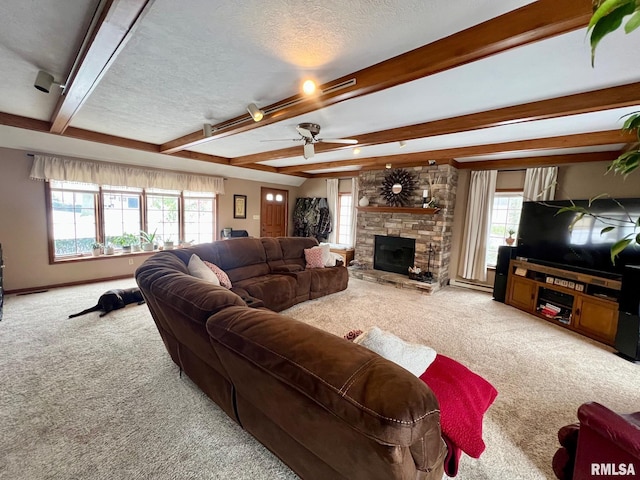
(383, 209)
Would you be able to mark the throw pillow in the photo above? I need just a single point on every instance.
(326, 254)
(198, 269)
(218, 272)
(313, 256)
(334, 258)
(410, 356)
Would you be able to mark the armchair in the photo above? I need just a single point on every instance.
(604, 444)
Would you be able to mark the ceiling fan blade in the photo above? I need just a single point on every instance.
(346, 141)
(309, 151)
(304, 132)
(283, 140)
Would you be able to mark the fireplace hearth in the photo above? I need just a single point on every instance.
(394, 254)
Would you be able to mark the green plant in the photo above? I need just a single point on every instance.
(147, 237)
(511, 231)
(96, 245)
(607, 18)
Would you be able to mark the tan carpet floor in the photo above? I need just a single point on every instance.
(98, 398)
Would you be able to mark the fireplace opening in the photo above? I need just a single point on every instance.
(394, 254)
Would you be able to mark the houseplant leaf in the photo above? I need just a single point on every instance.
(606, 229)
(633, 23)
(618, 247)
(609, 22)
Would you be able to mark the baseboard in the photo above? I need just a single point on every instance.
(471, 285)
(41, 288)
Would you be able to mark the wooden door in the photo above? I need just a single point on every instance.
(274, 212)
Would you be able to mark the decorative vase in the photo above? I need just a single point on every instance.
(510, 240)
(364, 201)
(95, 252)
(108, 250)
(147, 247)
(168, 245)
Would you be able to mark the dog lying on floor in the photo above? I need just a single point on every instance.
(114, 300)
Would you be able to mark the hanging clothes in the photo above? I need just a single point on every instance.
(311, 218)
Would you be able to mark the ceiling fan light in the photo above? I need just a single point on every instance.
(356, 150)
(309, 151)
(309, 87)
(402, 143)
(255, 112)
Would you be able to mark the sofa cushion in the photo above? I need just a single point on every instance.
(223, 278)
(276, 291)
(200, 269)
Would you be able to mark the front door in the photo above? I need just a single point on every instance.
(273, 212)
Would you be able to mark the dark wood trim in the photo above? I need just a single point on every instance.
(608, 137)
(97, 137)
(586, 102)
(545, 161)
(113, 30)
(531, 23)
(416, 211)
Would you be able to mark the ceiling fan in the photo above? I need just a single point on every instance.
(309, 135)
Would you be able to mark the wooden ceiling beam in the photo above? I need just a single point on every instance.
(534, 22)
(586, 102)
(608, 137)
(517, 163)
(113, 29)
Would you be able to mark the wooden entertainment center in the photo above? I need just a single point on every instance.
(584, 303)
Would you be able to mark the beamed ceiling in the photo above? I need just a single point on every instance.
(475, 83)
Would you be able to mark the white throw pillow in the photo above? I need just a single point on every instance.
(410, 356)
(333, 258)
(326, 254)
(198, 269)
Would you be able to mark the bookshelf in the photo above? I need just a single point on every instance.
(584, 303)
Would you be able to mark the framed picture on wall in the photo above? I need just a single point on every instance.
(239, 206)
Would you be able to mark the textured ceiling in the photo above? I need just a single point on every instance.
(195, 61)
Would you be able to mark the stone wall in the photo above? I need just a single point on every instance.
(433, 230)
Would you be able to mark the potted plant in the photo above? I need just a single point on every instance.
(148, 240)
(168, 243)
(510, 238)
(109, 250)
(96, 249)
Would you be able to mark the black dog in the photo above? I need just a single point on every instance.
(113, 300)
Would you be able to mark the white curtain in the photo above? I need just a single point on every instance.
(476, 229)
(540, 184)
(332, 200)
(101, 173)
(354, 209)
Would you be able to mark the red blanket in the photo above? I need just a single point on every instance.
(463, 396)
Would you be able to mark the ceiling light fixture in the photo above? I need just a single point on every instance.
(44, 81)
(387, 166)
(255, 112)
(207, 131)
(309, 87)
(402, 143)
(356, 150)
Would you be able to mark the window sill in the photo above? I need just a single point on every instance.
(90, 257)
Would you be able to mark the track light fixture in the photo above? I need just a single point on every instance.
(255, 112)
(309, 87)
(387, 166)
(402, 143)
(356, 150)
(44, 81)
(207, 131)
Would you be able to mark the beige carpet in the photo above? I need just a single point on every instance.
(99, 398)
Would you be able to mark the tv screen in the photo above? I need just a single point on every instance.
(544, 234)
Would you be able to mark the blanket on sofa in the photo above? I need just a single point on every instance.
(464, 397)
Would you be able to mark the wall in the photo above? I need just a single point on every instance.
(575, 181)
(317, 187)
(23, 228)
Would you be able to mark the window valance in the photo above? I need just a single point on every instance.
(55, 168)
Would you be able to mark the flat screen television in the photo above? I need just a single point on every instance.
(544, 235)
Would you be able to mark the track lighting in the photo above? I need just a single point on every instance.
(356, 150)
(255, 112)
(402, 143)
(44, 81)
(387, 166)
(207, 131)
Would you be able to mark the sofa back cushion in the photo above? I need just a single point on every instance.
(293, 249)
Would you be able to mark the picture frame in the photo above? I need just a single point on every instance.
(239, 206)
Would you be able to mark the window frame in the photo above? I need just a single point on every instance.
(341, 195)
(511, 192)
(100, 219)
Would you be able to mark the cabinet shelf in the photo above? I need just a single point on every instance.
(582, 303)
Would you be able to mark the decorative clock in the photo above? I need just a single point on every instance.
(397, 187)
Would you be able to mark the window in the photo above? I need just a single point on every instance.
(345, 218)
(505, 216)
(73, 217)
(81, 214)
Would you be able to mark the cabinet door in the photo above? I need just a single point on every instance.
(522, 293)
(597, 318)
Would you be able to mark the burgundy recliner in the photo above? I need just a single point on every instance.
(603, 445)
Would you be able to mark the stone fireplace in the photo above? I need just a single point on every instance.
(430, 230)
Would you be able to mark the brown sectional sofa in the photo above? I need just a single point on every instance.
(330, 409)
